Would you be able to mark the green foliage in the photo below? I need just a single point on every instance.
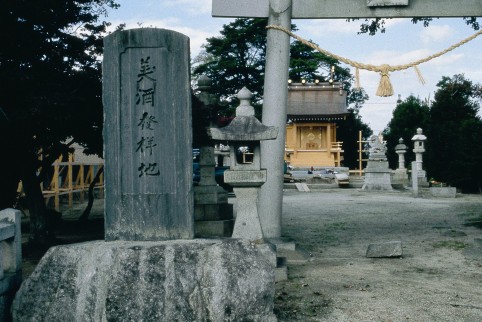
(348, 130)
(408, 115)
(453, 129)
(51, 84)
(309, 64)
(237, 59)
(348, 134)
(454, 154)
(372, 26)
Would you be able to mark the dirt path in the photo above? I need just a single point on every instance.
(439, 277)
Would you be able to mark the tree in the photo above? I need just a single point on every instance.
(234, 60)
(51, 93)
(454, 134)
(309, 64)
(408, 115)
(372, 26)
(237, 59)
(348, 129)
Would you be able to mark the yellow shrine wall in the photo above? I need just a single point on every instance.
(312, 144)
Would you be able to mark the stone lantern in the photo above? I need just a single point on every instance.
(244, 134)
(401, 149)
(419, 148)
(400, 176)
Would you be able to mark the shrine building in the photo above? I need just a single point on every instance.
(314, 109)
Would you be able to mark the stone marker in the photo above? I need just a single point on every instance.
(414, 177)
(387, 249)
(147, 136)
(443, 192)
(180, 280)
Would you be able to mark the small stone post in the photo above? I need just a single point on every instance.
(414, 179)
(244, 134)
(418, 148)
(147, 136)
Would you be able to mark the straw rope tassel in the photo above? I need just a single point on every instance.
(357, 78)
(419, 75)
(385, 87)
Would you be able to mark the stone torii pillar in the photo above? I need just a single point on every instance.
(274, 114)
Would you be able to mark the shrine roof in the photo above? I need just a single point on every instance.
(322, 101)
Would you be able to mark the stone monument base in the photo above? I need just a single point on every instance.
(443, 192)
(178, 280)
(400, 177)
(377, 176)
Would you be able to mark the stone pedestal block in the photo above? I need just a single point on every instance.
(377, 176)
(443, 192)
(247, 219)
(206, 195)
(182, 280)
(400, 177)
(386, 249)
(222, 211)
(213, 228)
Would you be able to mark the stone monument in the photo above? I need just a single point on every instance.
(400, 176)
(137, 274)
(148, 178)
(377, 172)
(419, 148)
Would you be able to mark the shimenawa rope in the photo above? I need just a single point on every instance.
(385, 87)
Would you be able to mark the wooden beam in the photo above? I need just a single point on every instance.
(343, 9)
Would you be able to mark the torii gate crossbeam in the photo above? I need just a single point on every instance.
(280, 12)
(343, 9)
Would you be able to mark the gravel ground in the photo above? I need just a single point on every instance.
(438, 278)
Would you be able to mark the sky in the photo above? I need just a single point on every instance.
(402, 43)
